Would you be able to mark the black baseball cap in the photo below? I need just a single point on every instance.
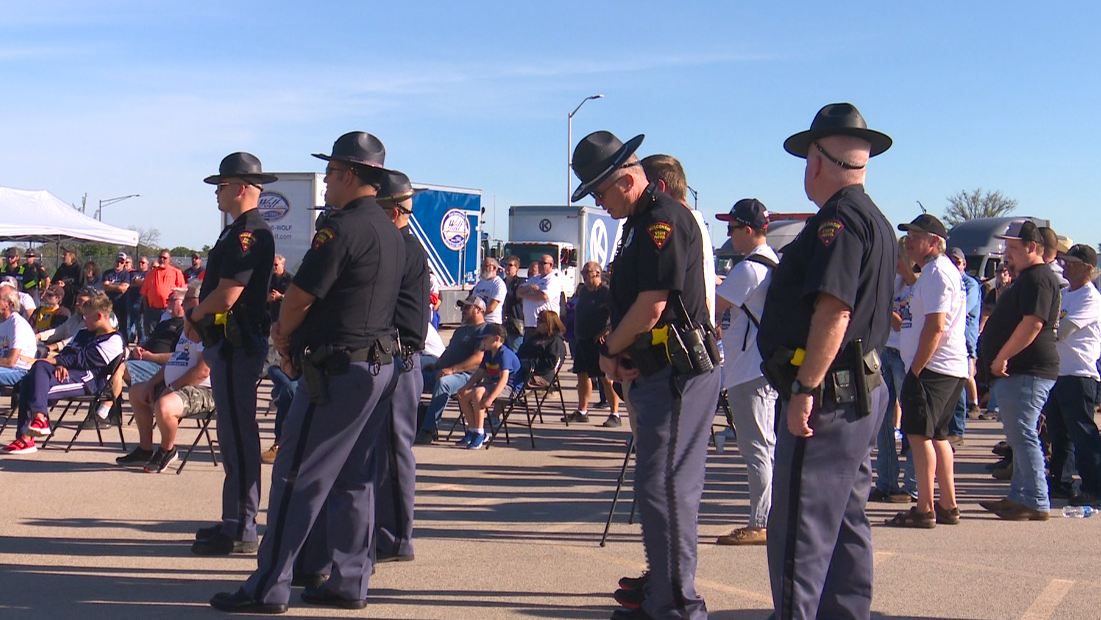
(1082, 253)
(927, 224)
(748, 211)
(1025, 230)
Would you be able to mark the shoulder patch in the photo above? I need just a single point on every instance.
(246, 239)
(322, 237)
(659, 232)
(828, 230)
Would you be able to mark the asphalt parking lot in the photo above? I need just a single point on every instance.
(508, 532)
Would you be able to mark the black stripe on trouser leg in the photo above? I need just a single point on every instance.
(671, 492)
(787, 577)
(231, 397)
(288, 493)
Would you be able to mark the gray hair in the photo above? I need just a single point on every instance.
(11, 296)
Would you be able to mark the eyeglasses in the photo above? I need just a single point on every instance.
(548, 262)
(165, 258)
(732, 227)
(329, 170)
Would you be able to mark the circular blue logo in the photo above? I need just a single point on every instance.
(273, 206)
(455, 229)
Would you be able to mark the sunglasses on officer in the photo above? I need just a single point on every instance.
(600, 195)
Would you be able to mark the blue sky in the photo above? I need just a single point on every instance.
(116, 97)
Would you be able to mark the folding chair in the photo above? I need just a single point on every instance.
(555, 384)
(203, 419)
(72, 403)
(11, 391)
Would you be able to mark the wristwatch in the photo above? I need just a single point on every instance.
(604, 350)
(797, 387)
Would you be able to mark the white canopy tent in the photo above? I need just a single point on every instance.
(41, 217)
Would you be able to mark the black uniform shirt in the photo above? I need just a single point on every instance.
(847, 250)
(354, 268)
(661, 250)
(411, 312)
(1034, 292)
(245, 252)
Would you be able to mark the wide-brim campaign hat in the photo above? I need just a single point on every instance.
(396, 187)
(245, 166)
(597, 156)
(359, 148)
(833, 120)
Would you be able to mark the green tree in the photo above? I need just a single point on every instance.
(964, 205)
(180, 250)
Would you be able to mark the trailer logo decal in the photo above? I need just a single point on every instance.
(598, 243)
(827, 232)
(455, 229)
(659, 232)
(545, 225)
(273, 206)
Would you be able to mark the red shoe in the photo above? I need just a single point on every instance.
(39, 428)
(21, 446)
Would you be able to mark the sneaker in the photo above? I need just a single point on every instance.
(21, 446)
(477, 441)
(267, 457)
(138, 458)
(613, 421)
(956, 441)
(161, 460)
(39, 428)
(631, 599)
(989, 414)
(973, 412)
(465, 441)
(634, 583)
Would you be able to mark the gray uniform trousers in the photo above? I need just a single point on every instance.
(233, 382)
(397, 467)
(819, 538)
(325, 458)
(674, 415)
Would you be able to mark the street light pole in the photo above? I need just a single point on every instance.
(695, 197)
(569, 145)
(110, 201)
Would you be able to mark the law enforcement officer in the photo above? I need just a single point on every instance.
(826, 313)
(335, 323)
(232, 322)
(658, 302)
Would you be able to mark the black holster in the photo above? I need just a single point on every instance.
(209, 333)
(851, 379)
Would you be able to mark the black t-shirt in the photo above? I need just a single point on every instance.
(1035, 292)
(244, 252)
(662, 250)
(116, 276)
(593, 311)
(514, 306)
(847, 250)
(543, 353)
(34, 275)
(165, 336)
(133, 294)
(73, 277)
(354, 268)
(280, 283)
(411, 311)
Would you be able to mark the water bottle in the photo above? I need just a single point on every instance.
(1079, 512)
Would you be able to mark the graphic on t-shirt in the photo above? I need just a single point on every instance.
(902, 307)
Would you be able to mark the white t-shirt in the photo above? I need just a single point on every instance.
(708, 264)
(552, 286)
(490, 290)
(900, 303)
(183, 359)
(746, 285)
(433, 344)
(27, 302)
(939, 289)
(1079, 351)
(17, 333)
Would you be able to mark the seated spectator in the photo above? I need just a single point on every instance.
(80, 368)
(17, 344)
(147, 358)
(26, 302)
(180, 388)
(51, 341)
(50, 314)
(497, 376)
(282, 393)
(450, 372)
(542, 352)
(91, 275)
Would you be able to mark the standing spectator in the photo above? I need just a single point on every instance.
(133, 298)
(934, 349)
(450, 372)
(69, 276)
(752, 400)
(1073, 399)
(492, 290)
(195, 271)
(592, 324)
(35, 279)
(514, 306)
(280, 282)
(17, 341)
(542, 291)
(91, 275)
(116, 282)
(434, 299)
(1018, 345)
(968, 406)
(159, 284)
(49, 314)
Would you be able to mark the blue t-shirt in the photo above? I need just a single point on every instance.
(505, 359)
(973, 290)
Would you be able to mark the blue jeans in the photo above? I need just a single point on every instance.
(886, 458)
(958, 424)
(11, 376)
(1070, 412)
(283, 393)
(141, 371)
(1021, 397)
(442, 390)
